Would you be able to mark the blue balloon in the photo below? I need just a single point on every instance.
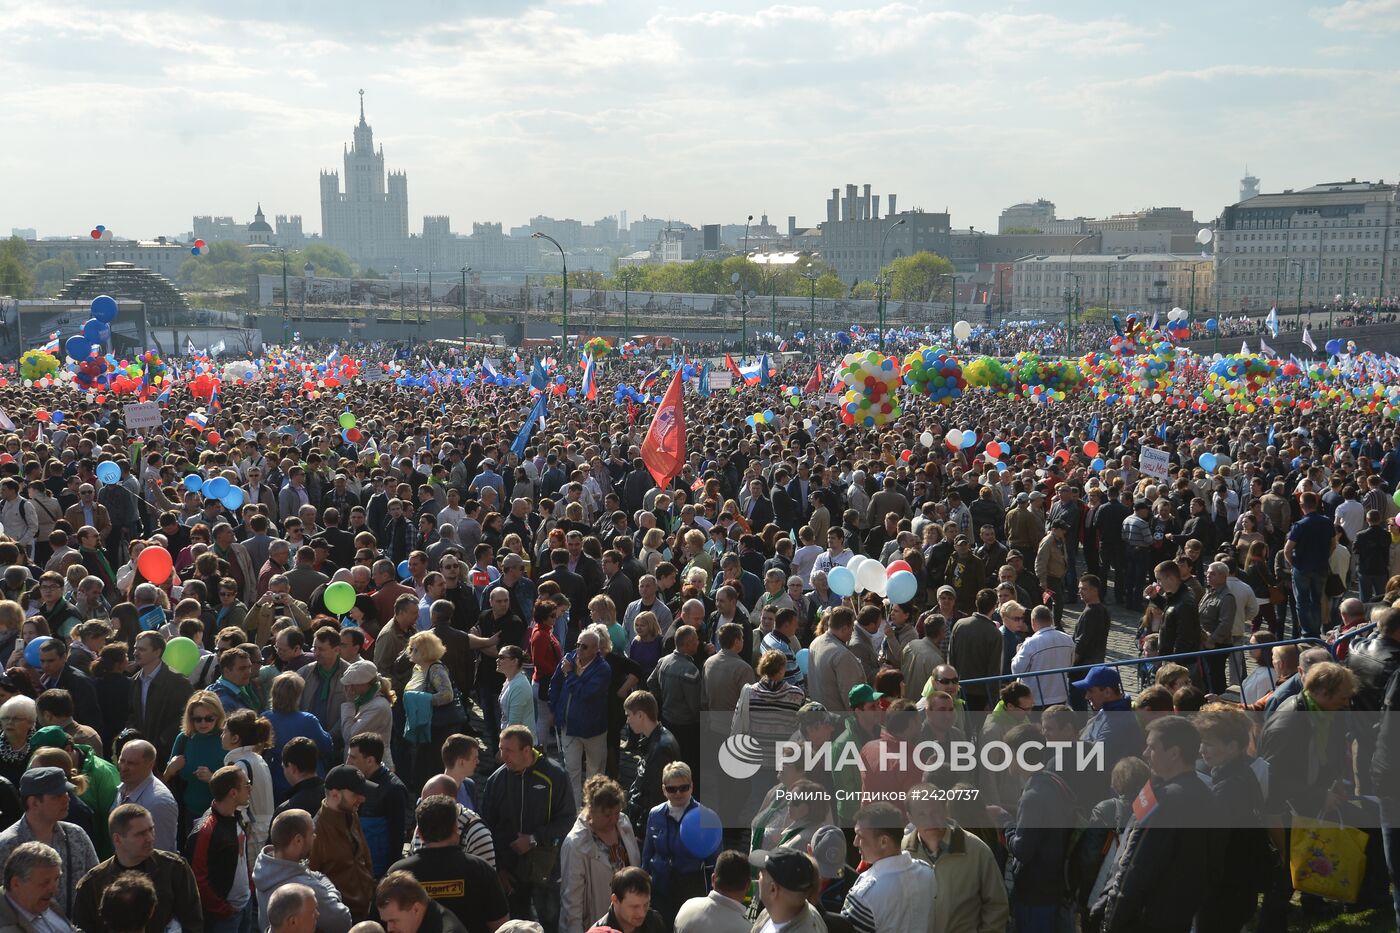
(901, 587)
(1208, 462)
(194, 250)
(702, 833)
(108, 472)
(841, 581)
(1096, 463)
(94, 330)
(233, 499)
(78, 347)
(804, 658)
(1212, 325)
(1334, 346)
(104, 308)
(403, 569)
(969, 438)
(215, 488)
(31, 650)
(768, 414)
(193, 482)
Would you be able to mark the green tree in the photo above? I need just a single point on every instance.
(15, 278)
(329, 261)
(830, 286)
(50, 275)
(586, 278)
(918, 277)
(863, 290)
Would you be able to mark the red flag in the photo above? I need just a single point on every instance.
(663, 451)
(815, 383)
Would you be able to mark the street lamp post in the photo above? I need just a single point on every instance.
(564, 261)
(403, 310)
(465, 271)
(417, 309)
(954, 284)
(1219, 265)
(811, 278)
(286, 314)
(308, 271)
(1069, 311)
(746, 234)
(880, 273)
(1298, 312)
(1346, 277)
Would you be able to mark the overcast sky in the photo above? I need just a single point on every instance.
(139, 115)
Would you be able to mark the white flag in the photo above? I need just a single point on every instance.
(1244, 348)
(1308, 341)
(1267, 350)
(5, 422)
(1272, 321)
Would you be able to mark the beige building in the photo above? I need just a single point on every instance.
(1139, 282)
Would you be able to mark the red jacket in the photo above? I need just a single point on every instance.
(545, 652)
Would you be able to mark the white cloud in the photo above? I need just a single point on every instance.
(1364, 15)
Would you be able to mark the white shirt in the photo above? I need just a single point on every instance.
(1046, 650)
(804, 560)
(1351, 516)
(825, 561)
(896, 893)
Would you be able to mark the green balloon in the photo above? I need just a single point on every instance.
(1396, 497)
(340, 598)
(347, 420)
(181, 655)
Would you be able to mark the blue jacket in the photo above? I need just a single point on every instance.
(580, 700)
(1116, 726)
(229, 696)
(664, 855)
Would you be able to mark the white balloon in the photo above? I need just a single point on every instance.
(953, 437)
(1204, 236)
(871, 576)
(926, 438)
(962, 330)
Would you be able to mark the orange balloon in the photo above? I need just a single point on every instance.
(154, 563)
(1091, 448)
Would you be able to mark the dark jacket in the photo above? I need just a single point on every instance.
(85, 708)
(1373, 661)
(159, 718)
(1037, 841)
(1240, 800)
(579, 700)
(572, 588)
(652, 924)
(1181, 624)
(1385, 761)
(306, 795)
(664, 855)
(975, 649)
(177, 894)
(1164, 870)
(1302, 764)
(657, 751)
(212, 850)
(384, 818)
(538, 802)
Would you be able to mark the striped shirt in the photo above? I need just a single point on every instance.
(476, 837)
(768, 712)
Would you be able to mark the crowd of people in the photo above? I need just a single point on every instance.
(462, 670)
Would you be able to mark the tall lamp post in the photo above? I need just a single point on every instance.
(1298, 312)
(811, 277)
(746, 234)
(564, 261)
(403, 309)
(466, 270)
(880, 273)
(307, 272)
(953, 284)
(1069, 310)
(417, 309)
(286, 314)
(1220, 264)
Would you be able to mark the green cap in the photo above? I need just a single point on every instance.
(863, 693)
(49, 737)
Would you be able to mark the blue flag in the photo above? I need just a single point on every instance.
(1094, 428)
(704, 387)
(1162, 430)
(539, 379)
(522, 437)
(1271, 435)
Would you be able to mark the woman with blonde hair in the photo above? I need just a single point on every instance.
(446, 715)
(601, 843)
(197, 753)
(653, 545)
(17, 718)
(645, 647)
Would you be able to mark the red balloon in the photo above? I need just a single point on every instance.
(896, 567)
(214, 437)
(96, 234)
(155, 564)
(41, 415)
(994, 450)
(354, 435)
(1091, 448)
(905, 454)
(1062, 454)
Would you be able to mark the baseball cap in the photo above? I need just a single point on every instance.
(947, 589)
(49, 737)
(813, 713)
(863, 693)
(829, 849)
(344, 777)
(789, 868)
(1100, 675)
(359, 673)
(42, 782)
(1022, 497)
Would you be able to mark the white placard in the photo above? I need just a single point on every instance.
(141, 415)
(832, 398)
(721, 380)
(1154, 463)
(374, 375)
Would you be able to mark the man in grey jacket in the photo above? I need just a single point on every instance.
(676, 684)
(833, 668)
(284, 862)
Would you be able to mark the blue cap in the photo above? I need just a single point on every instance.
(1100, 675)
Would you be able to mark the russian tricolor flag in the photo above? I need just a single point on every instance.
(197, 420)
(650, 379)
(590, 381)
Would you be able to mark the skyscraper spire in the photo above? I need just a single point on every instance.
(362, 106)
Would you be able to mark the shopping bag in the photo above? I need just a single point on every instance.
(418, 716)
(1327, 859)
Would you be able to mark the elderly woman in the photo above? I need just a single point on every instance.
(368, 705)
(17, 718)
(289, 721)
(601, 843)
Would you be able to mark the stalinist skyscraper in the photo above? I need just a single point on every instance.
(368, 220)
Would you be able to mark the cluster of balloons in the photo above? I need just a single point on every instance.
(597, 347)
(1337, 346)
(761, 417)
(199, 248)
(91, 373)
(625, 393)
(935, 373)
(240, 371)
(1126, 340)
(872, 378)
(1178, 327)
(960, 439)
(202, 386)
(866, 574)
(1045, 380)
(35, 365)
(100, 232)
(987, 372)
(215, 488)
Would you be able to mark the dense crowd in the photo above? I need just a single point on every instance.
(438, 666)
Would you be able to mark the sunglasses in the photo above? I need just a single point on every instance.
(948, 680)
(677, 788)
(198, 719)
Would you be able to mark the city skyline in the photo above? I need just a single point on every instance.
(501, 111)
